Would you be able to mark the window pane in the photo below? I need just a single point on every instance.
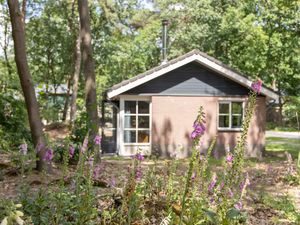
(130, 122)
(129, 136)
(143, 107)
(143, 122)
(130, 107)
(223, 121)
(224, 108)
(143, 136)
(237, 108)
(236, 121)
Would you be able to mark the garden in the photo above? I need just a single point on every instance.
(140, 190)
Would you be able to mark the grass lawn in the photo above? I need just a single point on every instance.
(276, 146)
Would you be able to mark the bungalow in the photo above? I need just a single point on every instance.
(154, 111)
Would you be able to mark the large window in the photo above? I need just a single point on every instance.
(136, 122)
(230, 115)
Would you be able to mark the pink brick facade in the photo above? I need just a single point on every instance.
(173, 117)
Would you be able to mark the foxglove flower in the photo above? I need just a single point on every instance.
(97, 140)
(238, 206)
(229, 158)
(48, 155)
(71, 151)
(199, 130)
(230, 193)
(256, 86)
(23, 149)
(221, 185)
(139, 157)
(138, 174)
(212, 183)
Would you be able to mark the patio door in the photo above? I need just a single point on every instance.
(109, 128)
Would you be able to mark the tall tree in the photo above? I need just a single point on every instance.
(75, 77)
(89, 72)
(35, 123)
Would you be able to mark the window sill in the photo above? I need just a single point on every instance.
(230, 129)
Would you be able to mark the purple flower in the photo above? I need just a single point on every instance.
(221, 185)
(23, 149)
(199, 130)
(212, 183)
(97, 140)
(139, 157)
(229, 158)
(138, 174)
(256, 86)
(238, 206)
(48, 155)
(230, 193)
(71, 151)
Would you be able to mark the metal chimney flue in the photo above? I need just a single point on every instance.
(165, 24)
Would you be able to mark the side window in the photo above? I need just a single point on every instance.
(230, 115)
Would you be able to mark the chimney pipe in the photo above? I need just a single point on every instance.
(165, 24)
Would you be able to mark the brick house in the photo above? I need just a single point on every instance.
(154, 112)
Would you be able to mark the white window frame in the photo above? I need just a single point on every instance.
(230, 128)
(121, 123)
(136, 128)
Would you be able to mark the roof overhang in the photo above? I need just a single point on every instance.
(194, 56)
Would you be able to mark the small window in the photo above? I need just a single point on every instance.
(137, 122)
(230, 115)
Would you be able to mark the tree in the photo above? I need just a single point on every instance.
(35, 123)
(89, 72)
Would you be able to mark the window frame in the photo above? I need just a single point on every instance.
(136, 128)
(230, 128)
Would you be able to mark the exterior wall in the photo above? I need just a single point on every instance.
(173, 117)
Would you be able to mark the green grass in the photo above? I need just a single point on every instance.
(276, 146)
(284, 205)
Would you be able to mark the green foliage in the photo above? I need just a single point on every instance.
(13, 121)
(10, 213)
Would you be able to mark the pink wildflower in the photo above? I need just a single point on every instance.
(229, 158)
(256, 86)
(139, 156)
(212, 183)
(199, 130)
(138, 174)
(97, 140)
(238, 206)
(48, 155)
(71, 151)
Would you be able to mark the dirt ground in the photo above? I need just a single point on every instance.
(265, 178)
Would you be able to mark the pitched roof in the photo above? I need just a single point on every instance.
(191, 56)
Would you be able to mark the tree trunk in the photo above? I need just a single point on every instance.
(26, 81)
(75, 78)
(89, 73)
